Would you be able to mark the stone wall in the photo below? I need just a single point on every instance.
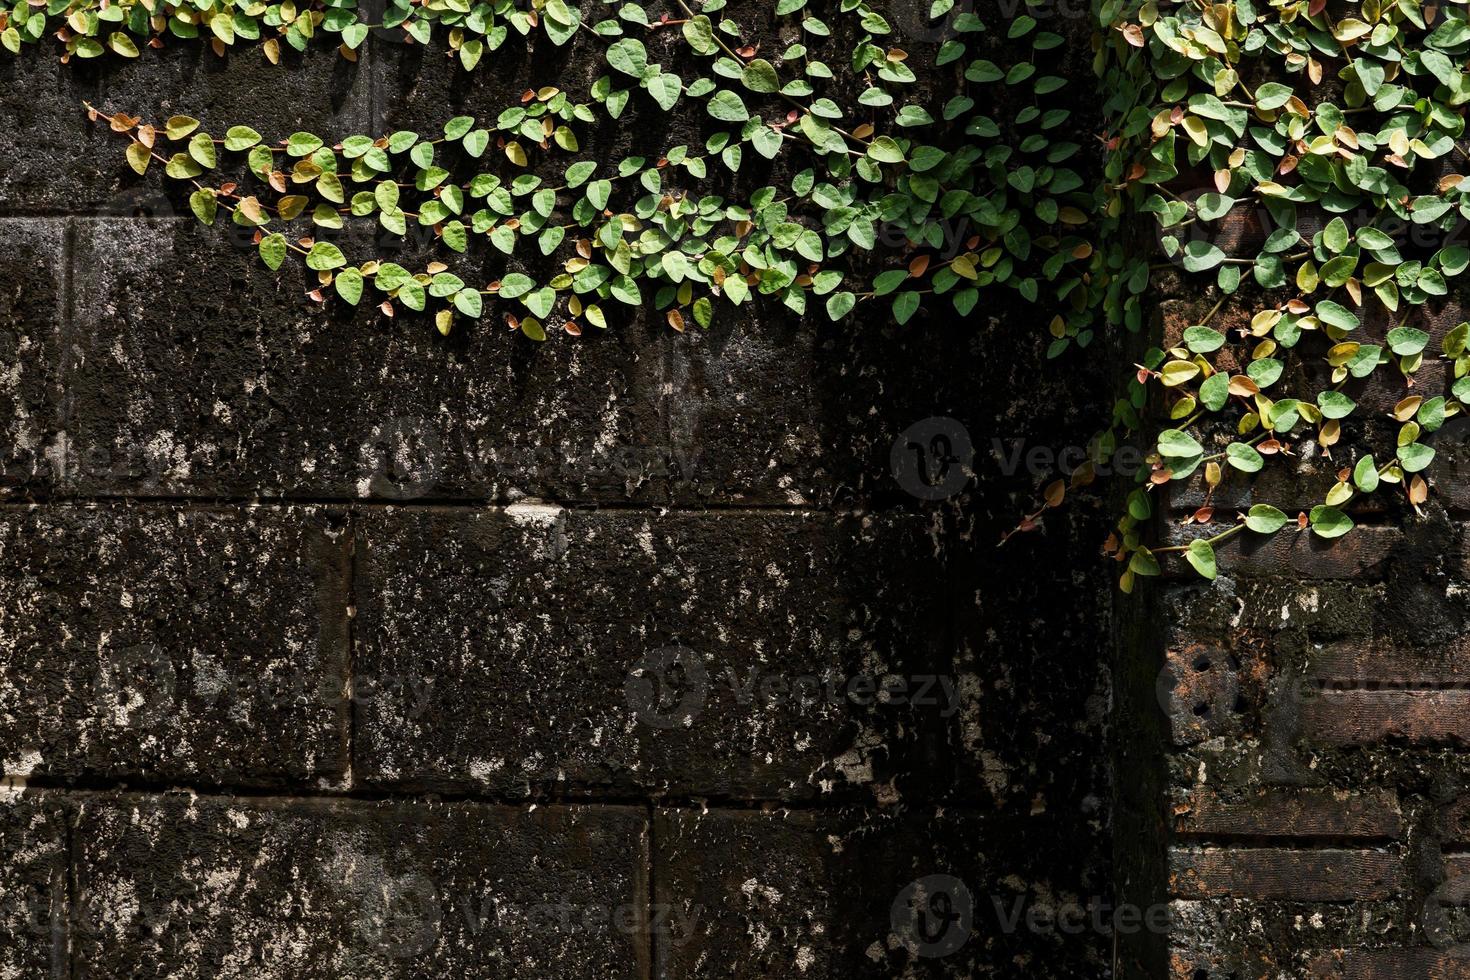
(330, 647)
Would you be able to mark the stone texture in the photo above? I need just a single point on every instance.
(66, 163)
(194, 887)
(545, 637)
(33, 888)
(33, 309)
(805, 894)
(207, 375)
(168, 644)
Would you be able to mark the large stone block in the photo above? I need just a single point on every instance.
(235, 889)
(782, 895)
(172, 645)
(202, 373)
(771, 410)
(63, 162)
(33, 307)
(768, 655)
(33, 883)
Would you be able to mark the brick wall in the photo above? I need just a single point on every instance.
(1305, 816)
(328, 645)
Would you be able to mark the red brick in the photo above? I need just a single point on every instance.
(1393, 964)
(1370, 660)
(1290, 813)
(1284, 875)
(1363, 554)
(1370, 717)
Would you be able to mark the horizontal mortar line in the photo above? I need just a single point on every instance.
(1277, 842)
(92, 787)
(447, 504)
(1323, 684)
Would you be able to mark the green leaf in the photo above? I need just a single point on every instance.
(303, 144)
(1335, 405)
(629, 57)
(726, 106)
(273, 250)
(1265, 519)
(1415, 456)
(180, 126)
(1272, 95)
(885, 149)
(349, 285)
(759, 75)
(1201, 256)
(1203, 340)
(1244, 458)
(1329, 522)
(516, 284)
(201, 148)
(204, 206)
(469, 302)
(1215, 392)
(1407, 341)
(840, 305)
(455, 236)
(1365, 475)
(457, 127)
(1201, 554)
(324, 256)
(1336, 315)
(1179, 444)
(905, 305)
(240, 138)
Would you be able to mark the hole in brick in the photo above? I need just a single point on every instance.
(1202, 663)
(1201, 975)
(1239, 706)
(1200, 710)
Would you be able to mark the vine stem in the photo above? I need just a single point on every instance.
(1211, 541)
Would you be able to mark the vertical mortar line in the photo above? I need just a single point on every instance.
(652, 897)
(65, 361)
(349, 615)
(72, 890)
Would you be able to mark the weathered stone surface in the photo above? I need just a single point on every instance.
(33, 307)
(236, 889)
(1289, 813)
(202, 374)
(834, 407)
(808, 894)
(63, 162)
(1242, 939)
(1200, 691)
(738, 654)
(172, 645)
(33, 895)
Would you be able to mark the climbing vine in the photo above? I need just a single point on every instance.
(1322, 146)
(1299, 163)
(968, 200)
